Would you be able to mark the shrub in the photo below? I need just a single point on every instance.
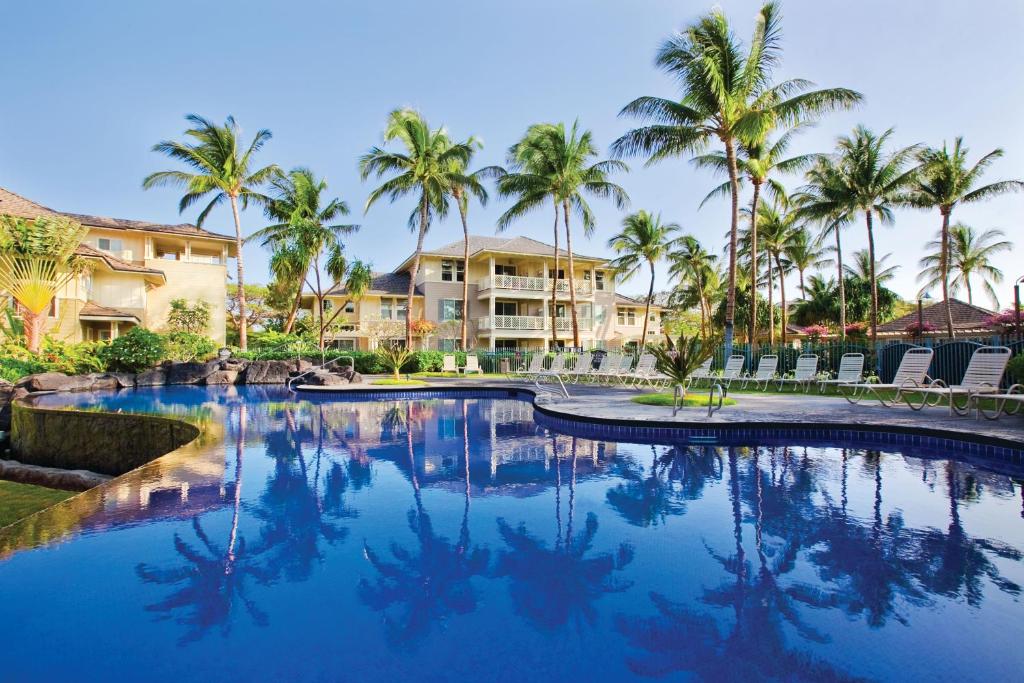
(186, 346)
(134, 351)
(13, 368)
(816, 332)
(916, 330)
(857, 330)
(72, 359)
(679, 359)
(393, 357)
(185, 318)
(1015, 369)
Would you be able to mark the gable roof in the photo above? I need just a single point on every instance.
(15, 205)
(383, 284)
(91, 309)
(116, 264)
(966, 317)
(520, 246)
(623, 300)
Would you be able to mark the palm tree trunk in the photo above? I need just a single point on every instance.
(415, 269)
(465, 270)
(289, 323)
(842, 287)
(803, 291)
(243, 323)
(572, 277)
(782, 294)
(874, 283)
(752, 337)
(970, 295)
(734, 220)
(33, 324)
(554, 282)
(647, 309)
(771, 303)
(237, 508)
(944, 273)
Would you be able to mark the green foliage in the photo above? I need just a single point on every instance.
(134, 351)
(187, 346)
(1015, 369)
(193, 319)
(12, 369)
(679, 359)
(689, 401)
(16, 361)
(392, 382)
(393, 357)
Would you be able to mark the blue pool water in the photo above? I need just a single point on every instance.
(460, 539)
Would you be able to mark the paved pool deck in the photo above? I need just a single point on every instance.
(613, 405)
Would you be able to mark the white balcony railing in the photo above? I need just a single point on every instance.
(520, 283)
(530, 323)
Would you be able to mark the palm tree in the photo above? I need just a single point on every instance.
(561, 159)
(222, 167)
(468, 184)
(870, 180)
(861, 267)
(945, 182)
(429, 167)
(969, 255)
(644, 239)
(804, 252)
(303, 232)
(758, 160)
(698, 275)
(778, 227)
(726, 95)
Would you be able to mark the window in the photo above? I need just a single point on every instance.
(448, 345)
(386, 309)
(451, 309)
(350, 307)
(401, 309)
(506, 308)
(453, 271)
(345, 344)
(506, 344)
(599, 280)
(504, 270)
(627, 316)
(551, 274)
(51, 312)
(600, 312)
(107, 244)
(328, 305)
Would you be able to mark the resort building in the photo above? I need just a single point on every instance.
(968, 321)
(510, 300)
(137, 269)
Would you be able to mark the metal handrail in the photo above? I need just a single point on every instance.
(715, 388)
(546, 390)
(291, 381)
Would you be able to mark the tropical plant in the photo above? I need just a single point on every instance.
(303, 234)
(816, 332)
(803, 252)
(134, 351)
(818, 304)
(677, 360)
(726, 95)
(37, 260)
(393, 356)
(430, 167)
(865, 179)
(970, 255)
(778, 226)
(860, 267)
(644, 239)
(194, 319)
(698, 278)
(189, 346)
(222, 166)
(947, 181)
(258, 308)
(552, 161)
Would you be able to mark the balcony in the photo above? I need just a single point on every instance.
(532, 285)
(530, 323)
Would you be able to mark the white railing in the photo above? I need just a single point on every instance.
(533, 284)
(530, 323)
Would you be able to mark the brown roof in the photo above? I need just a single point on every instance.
(114, 263)
(633, 301)
(966, 317)
(16, 205)
(91, 309)
(512, 245)
(383, 284)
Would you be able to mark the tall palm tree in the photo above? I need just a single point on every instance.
(428, 167)
(643, 239)
(462, 188)
(727, 96)
(871, 181)
(947, 181)
(970, 255)
(303, 231)
(860, 268)
(564, 157)
(758, 159)
(778, 227)
(698, 276)
(222, 166)
(804, 252)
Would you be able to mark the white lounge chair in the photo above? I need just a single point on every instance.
(448, 363)
(645, 372)
(558, 363)
(526, 370)
(582, 368)
(733, 370)
(766, 367)
(702, 373)
(608, 361)
(851, 371)
(911, 375)
(1014, 395)
(804, 374)
(615, 372)
(472, 366)
(983, 375)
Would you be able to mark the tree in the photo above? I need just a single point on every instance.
(257, 307)
(865, 179)
(726, 95)
(778, 226)
(804, 252)
(698, 276)
(561, 160)
(304, 234)
(194, 319)
(947, 181)
(643, 239)
(970, 255)
(861, 267)
(429, 167)
(221, 168)
(37, 260)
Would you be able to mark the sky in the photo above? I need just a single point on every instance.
(89, 88)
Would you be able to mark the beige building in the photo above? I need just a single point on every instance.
(137, 269)
(510, 300)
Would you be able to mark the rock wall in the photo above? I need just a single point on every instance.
(107, 443)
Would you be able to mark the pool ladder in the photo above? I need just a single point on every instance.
(546, 390)
(679, 393)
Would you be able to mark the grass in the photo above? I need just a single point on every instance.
(392, 382)
(431, 375)
(21, 500)
(665, 399)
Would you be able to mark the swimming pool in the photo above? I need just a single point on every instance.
(458, 537)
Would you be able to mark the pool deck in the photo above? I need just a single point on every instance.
(613, 404)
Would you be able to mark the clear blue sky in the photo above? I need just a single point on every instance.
(88, 88)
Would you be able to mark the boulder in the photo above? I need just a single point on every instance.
(7, 394)
(322, 378)
(236, 364)
(157, 377)
(222, 377)
(191, 373)
(99, 381)
(268, 371)
(355, 378)
(55, 381)
(303, 365)
(125, 380)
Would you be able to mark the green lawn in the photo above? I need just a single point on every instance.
(21, 500)
(665, 399)
(451, 375)
(392, 382)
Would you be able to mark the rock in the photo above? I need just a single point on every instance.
(322, 378)
(222, 377)
(157, 377)
(6, 392)
(268, 371)
(69, 480)
(236, 364)
(191, 373)
(125, 380)
(303, 365)
(102, 382)
(356, 378)
(44, 381)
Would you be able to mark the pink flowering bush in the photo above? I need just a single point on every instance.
(816, 332)
(919, 329)
(1006, 321)
(859, 330)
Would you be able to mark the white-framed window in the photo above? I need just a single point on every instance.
(111, 245)
(551, 274)
(448, 345)
(453, 271)
(600, 312)
(401, 309)
(504, 270)
(386, 309)
(506, 308)
(350, 307)
(627, 316)
(451, 309)
(345, 344)
(599, 280)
